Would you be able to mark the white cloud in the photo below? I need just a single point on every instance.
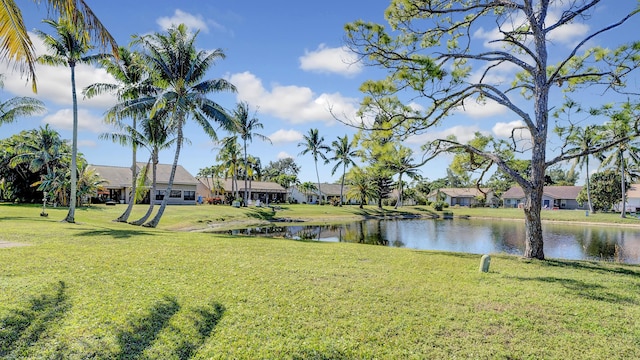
(295, 104)
(193, 22)
(54, 83)
(338, 60)
(462, 133)
(481, 109)
(284, 155)
(502, 129)
(516, 131)
(285, 136)
(63, 119)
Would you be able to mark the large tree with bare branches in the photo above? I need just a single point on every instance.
(432, 57)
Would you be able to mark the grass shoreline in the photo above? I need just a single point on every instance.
(105, 290)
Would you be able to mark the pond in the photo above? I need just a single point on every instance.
(561, 241)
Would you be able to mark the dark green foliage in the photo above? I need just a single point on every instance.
(605, 190)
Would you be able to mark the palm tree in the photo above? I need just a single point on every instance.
(361, 185)
(45, 149)
(314, 143)
(230, 155)
(68, 49)
(254, 171)
(133, 81)
(343, 154)
(626, 153)
(308, 187)
(583, 139)
(17, 46)
(178, 70)
(19, 106)
(403, 164)
(245, 126)
(154, 136)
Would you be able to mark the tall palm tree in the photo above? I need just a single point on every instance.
(343, 154)
(626, 154)
(403, 164)
(18, 106)
(17, 46)
(155, 136)
(314, 143)
(254, 170)
(583, 139)
(245, 127)
(68, 48)
(132, 82)
(230, 156)
(178, 70)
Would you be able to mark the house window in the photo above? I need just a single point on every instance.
(189, 195)
(176, 194)
(159, 194)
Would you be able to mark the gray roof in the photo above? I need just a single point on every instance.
(329, 189)
(461, 192)
(119, 176)
(554, 192)
(256, 186)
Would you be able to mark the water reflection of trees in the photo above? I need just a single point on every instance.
(365, 232)
(569, 242)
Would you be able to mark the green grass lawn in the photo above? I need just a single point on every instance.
(104, 290)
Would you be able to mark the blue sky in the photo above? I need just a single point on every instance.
(288, 62)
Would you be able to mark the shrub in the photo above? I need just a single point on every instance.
(439, 205)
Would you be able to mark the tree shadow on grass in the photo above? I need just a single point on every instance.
(141, 332)
(204, 320)
(261, 213)
(116, 234)
(22, 328)
(592, 266)
(583, 289)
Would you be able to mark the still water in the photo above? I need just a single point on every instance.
(574, 242)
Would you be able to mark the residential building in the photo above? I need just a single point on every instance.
(464, 196)
(328, 191)
(261, 192)
(118, 184)
(553, 197)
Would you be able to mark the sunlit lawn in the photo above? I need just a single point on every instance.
(104, 290)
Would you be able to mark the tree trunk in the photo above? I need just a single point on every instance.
(246, 174)
(152, 193)
(344, 171)
(156, 219)
(134, 182)
(623, 213)
(588, 187)
(318, 177)
(74, 150)
(534, 245)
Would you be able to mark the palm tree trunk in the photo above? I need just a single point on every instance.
(588, 188)
(344, 170)
(246, 173)
(152, 193)
(318, 177)
(74, 150)
(623, 213)
(156, 219)
(134, 182)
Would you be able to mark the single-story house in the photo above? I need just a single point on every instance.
(553, 197)
(259, 192)
(328, 193)
(118, 184)
(463, 196)
(633, 199)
